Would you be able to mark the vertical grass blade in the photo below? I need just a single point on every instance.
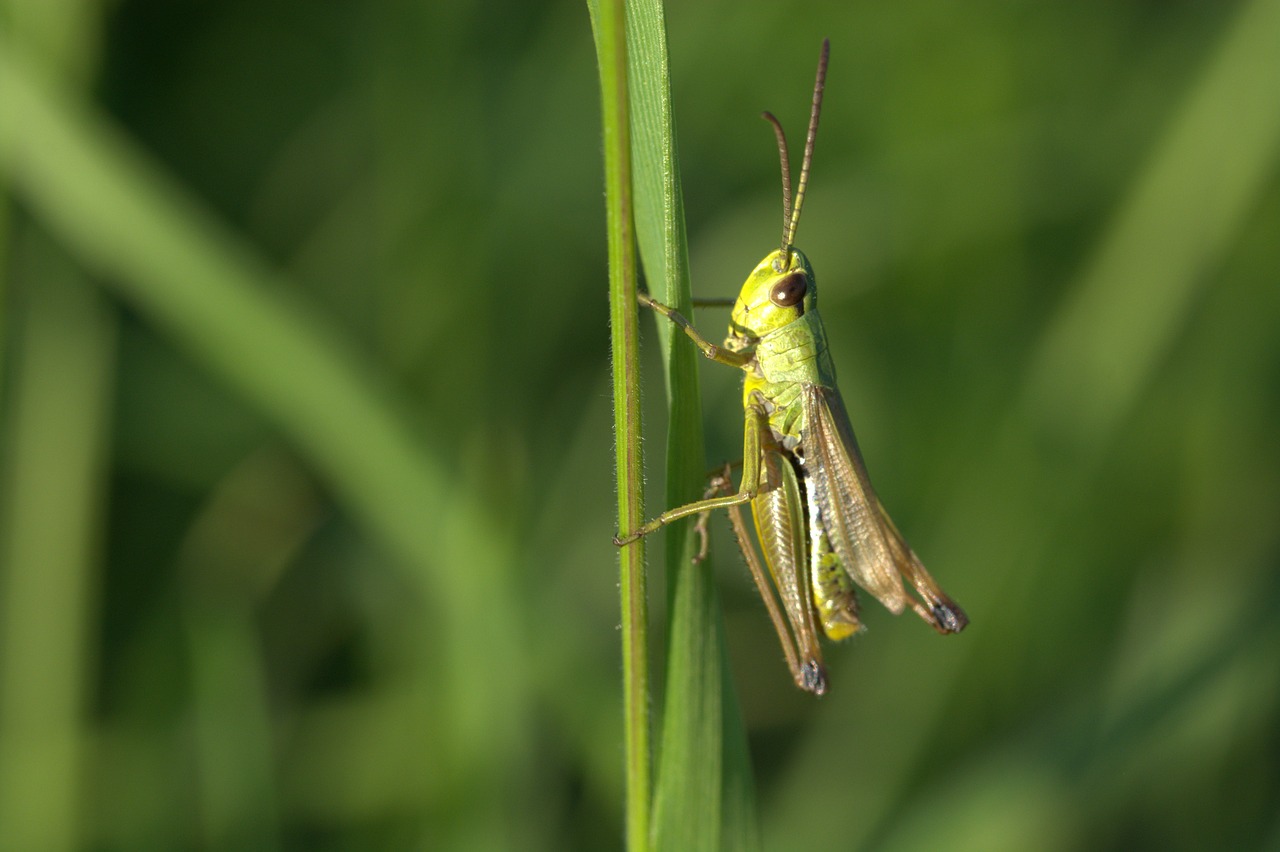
(609, 23)
(703, 797)
(54, 452)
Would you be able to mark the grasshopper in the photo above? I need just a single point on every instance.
(818, 521)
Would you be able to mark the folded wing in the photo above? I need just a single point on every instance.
(866, 541)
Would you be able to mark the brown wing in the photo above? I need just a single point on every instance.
(864, 538)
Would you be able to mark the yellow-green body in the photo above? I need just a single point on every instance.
(791, 353)
(818, 521)
(848, 538)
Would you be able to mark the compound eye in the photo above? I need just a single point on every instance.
(790, 290)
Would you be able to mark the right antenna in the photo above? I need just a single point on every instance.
(791, 214)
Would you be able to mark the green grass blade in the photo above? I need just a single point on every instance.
(703, 770)
(608, 22)
(54, 455)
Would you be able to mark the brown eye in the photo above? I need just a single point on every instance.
(790, 290)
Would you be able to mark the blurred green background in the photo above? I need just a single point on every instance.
(307, 488)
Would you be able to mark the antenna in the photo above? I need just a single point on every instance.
(790, 213)
(786, 177)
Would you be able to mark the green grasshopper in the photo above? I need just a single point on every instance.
(818, 521)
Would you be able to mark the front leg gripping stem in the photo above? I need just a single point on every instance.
(757, 422)
(716, 353)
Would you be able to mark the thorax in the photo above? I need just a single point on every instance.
(785, 361)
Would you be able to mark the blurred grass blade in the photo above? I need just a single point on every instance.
(158, 250)
(609, 26)
(54, 453)
(238, 802)
(1186, 207)
(226, 574)
(702, 757)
